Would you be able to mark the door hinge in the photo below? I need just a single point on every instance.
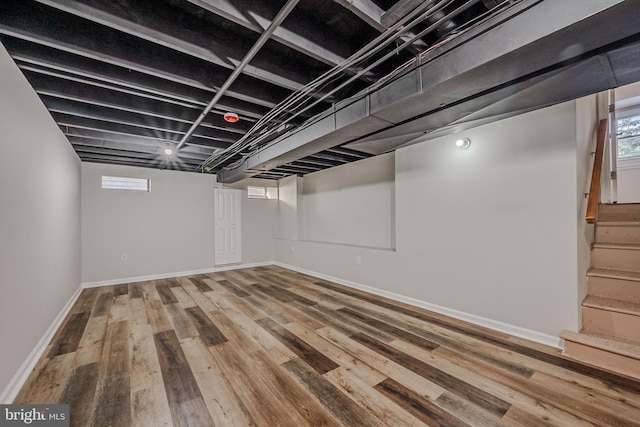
(614, 174)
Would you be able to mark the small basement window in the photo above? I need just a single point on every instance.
(262, 192)
(125, 183)
(629, 136)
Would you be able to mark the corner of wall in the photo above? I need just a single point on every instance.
(477, 320)
(19, 379)
(40, 249)
(587, 119)
(479, 205)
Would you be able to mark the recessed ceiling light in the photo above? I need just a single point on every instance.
(168, 151)
(463, 143)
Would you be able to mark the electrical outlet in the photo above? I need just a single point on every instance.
(358, 260)
(124, 257)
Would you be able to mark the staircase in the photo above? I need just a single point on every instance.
(610, 335)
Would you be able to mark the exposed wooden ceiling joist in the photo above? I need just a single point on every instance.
(130, 76)
(190, 37)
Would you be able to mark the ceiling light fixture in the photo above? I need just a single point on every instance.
(231, 117)
(168, 151)
(463, 143)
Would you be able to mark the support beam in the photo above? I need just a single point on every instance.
(399, 11)
(101, 158)
(172, 164)
(348, 152)
(118, 146)
(189, 37)
(293, 170)
(105, 139)
(370, 13)
(101, 44)
(256, 19)
(303, 167)
(127, 154)
(284, 12)
(508, 54)
(247, 106)
(366, 10)
(49, 88)
(51, 82)
(328, 156)
(317, 162)
(132, 130)
(120, 117)
(39, 59)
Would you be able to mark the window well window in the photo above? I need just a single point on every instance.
(125, 183)
(262, 192)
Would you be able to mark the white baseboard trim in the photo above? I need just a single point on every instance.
(175, 274)
(13, 387)
(506, 328)
(17, 382)
(20, 378)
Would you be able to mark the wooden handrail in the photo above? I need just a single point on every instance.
(594, 190)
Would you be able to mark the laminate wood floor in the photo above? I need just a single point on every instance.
(271, 347)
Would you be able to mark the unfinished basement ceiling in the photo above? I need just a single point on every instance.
(315, 84)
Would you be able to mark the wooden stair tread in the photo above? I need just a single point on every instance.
(611, 304)
(609, 337)
(621, 346)
(619, 223)
(614, 274)
(612, 245)
(619, 212)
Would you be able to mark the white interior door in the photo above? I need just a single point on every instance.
(228, 230)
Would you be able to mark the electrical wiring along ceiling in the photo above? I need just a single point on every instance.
(313, 84)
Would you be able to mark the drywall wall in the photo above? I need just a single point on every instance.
(290, 211)
(627, 95)
(259, 222)
(352, 204)
(164, 231)
(629, 185)
(39, 221)
(490, 232)
(587, 122)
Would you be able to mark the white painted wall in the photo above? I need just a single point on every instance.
(164, 232)
(490, 232)
(39, 220)
(628, 173)
(587, 122)
(259, 223)
(629, 185)
(290, 211)
(352, 204)
(167, 230)
(628, 95)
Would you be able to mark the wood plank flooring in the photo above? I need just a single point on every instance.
(271, 347)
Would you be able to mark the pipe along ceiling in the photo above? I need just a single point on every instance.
(314, 84)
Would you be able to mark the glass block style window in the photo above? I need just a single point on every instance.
(125, 183)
